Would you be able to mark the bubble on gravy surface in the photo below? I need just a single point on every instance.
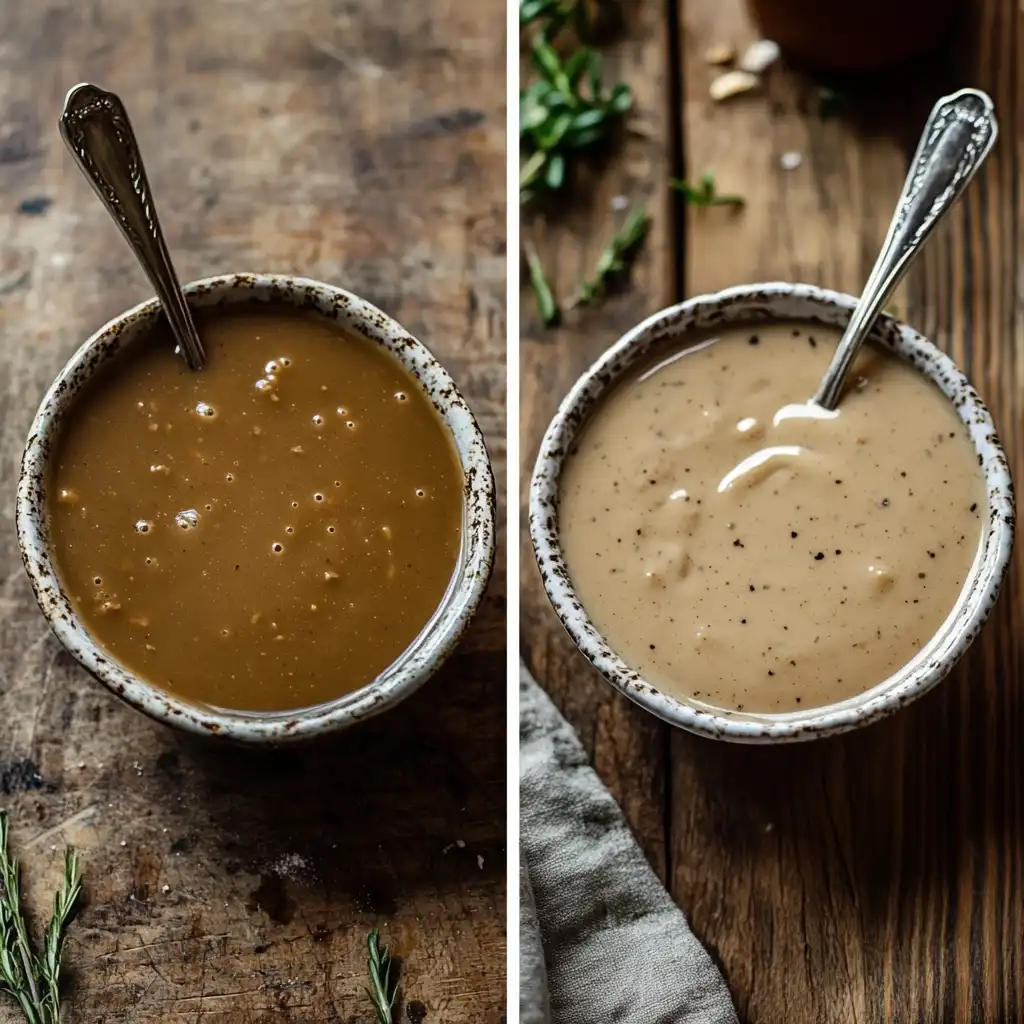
(742, 552)
(267, 534)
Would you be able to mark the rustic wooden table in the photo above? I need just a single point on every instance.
(874, 876)
(358, 143)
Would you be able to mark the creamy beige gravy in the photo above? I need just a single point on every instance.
(766, 563)
(267, 534)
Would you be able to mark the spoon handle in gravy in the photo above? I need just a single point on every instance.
(960, 132)
(96, 128)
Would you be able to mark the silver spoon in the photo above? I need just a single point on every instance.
(960, 132)
(95, 127)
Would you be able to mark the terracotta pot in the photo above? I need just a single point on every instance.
(866, 35)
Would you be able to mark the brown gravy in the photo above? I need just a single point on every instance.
(267, 534)
(763, 562)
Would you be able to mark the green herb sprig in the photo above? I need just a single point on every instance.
(554, 15)
(383, 990)
(33, 981)
(550, 15)
(566, 110)
(617, 257)
(547, 304)
(705, 193)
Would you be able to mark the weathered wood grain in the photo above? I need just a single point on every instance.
(361, 144)
(626, 744)
(874, 876)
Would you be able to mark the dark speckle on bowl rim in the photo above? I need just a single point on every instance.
(754, 304)
(437, 639)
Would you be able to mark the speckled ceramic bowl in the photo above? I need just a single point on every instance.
(438, 637)
(757, 304)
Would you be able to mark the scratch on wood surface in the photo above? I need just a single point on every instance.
(158, 944)
(78, 818)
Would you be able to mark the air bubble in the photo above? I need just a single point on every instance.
(317, 420)
(295, 504)
(264, 385)
(277, 547)
(272, 367)
(143, 526)
(401, 396)
(330, 529)
(209, 508)
(285, 361)
(420, 493)
(160, 468)
(318, 496)
(229, 477)
(350, 425)
(289, 529)
(150, 561)
(204, 409)
(187, 519)
(342, 411)
(337, 483)
(98, 580)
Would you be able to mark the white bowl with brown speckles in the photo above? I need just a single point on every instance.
(758, 304)
(437, 639)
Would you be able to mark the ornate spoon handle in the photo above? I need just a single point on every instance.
(958, 136)
(95, 127)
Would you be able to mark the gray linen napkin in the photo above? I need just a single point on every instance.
(601, 941)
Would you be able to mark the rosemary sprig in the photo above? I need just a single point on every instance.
(616, 257)
(566, 110)
(383, 989)
(704, 193)
(33, 981)
(547, 304)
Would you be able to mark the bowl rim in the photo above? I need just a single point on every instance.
(439, 636)
(751, 304)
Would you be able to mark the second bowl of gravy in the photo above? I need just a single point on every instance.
(744, 564)
(279, 545)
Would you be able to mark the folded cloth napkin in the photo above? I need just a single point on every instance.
(601, 941)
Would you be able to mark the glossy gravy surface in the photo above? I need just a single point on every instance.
(267, 534)
(740, 552)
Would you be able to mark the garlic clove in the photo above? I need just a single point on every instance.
(732, 83)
